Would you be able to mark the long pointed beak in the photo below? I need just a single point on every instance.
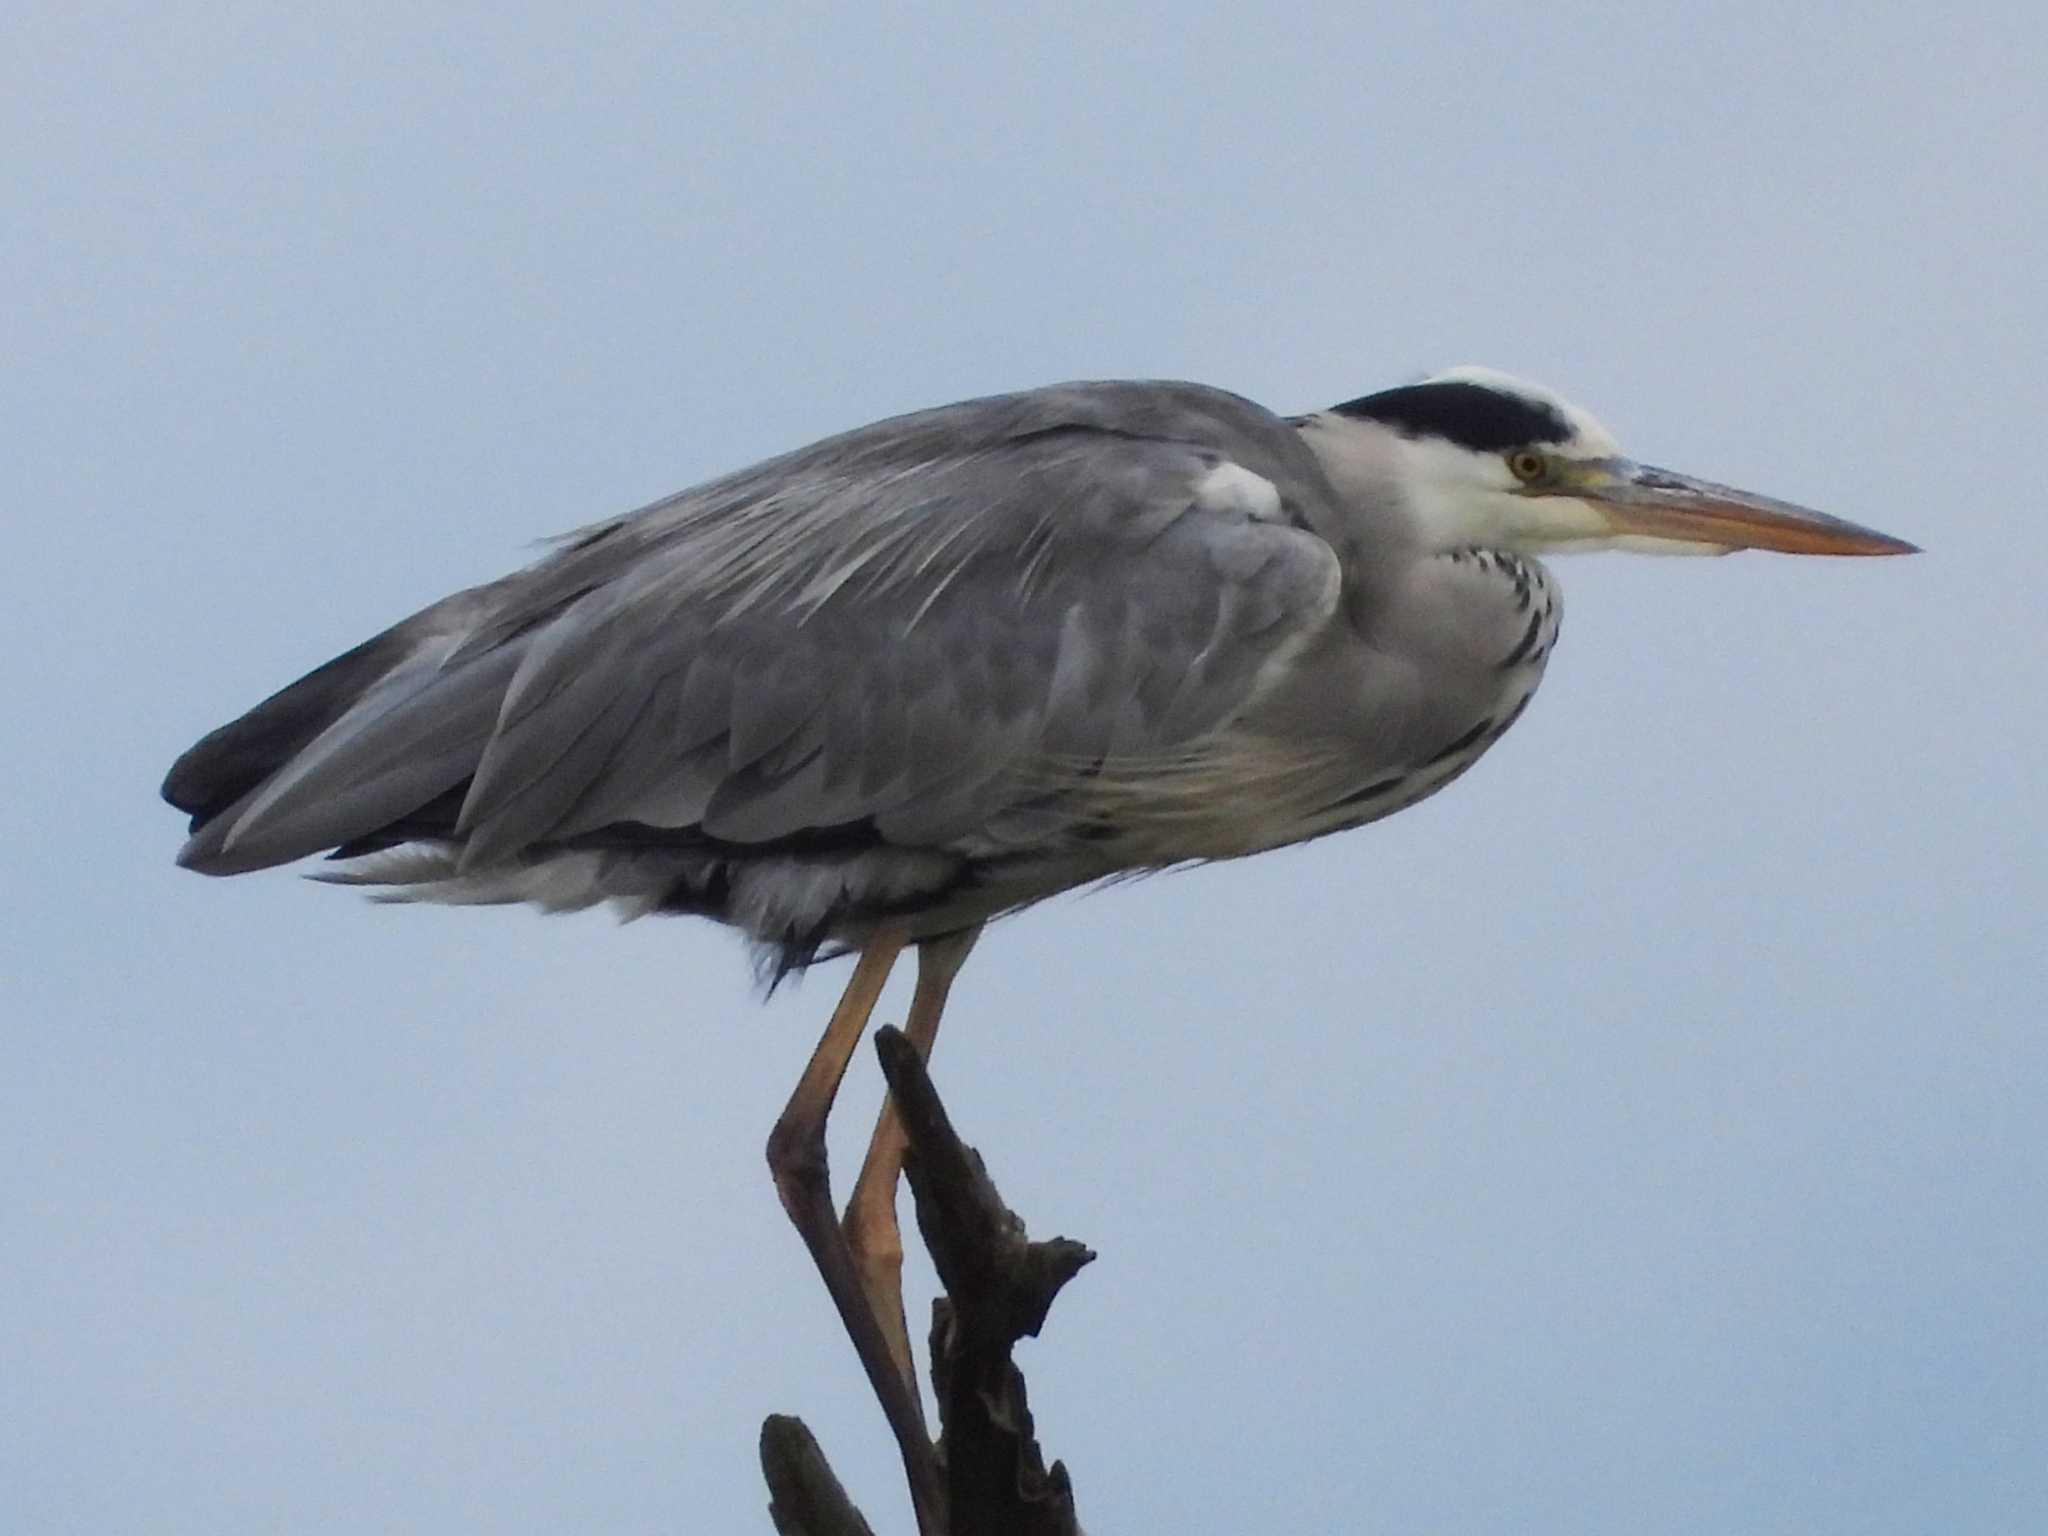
(1642, 501)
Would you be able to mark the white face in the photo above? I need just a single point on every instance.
(1462, 497)
(1499, 463)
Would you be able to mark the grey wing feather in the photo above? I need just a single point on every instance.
(919, 626)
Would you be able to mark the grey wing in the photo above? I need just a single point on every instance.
(922, 630)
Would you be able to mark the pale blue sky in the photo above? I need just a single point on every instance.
(1646, 1134)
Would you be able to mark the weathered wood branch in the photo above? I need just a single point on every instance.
(804, 1497)
(999, 1286)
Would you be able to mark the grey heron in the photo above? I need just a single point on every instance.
(872, 693)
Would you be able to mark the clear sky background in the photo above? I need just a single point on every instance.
(1646, 1134)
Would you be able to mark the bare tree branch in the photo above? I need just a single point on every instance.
(999, 1286)
(804, 1497)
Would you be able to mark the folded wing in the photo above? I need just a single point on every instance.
(920, 629)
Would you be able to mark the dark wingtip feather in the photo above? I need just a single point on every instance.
(201, 853)
(209, 776)
(226, 765)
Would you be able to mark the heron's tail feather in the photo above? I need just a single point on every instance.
(633, 882)
(389, 870)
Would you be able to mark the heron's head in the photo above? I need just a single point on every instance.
(1484, 459)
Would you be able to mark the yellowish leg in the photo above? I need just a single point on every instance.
(796, 1147)
(872, 1234)
(796, 1158)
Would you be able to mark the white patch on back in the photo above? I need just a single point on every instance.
(1233, 489)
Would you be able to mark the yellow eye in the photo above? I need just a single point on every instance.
(1527, 465)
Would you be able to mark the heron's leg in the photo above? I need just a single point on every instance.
(871, 1229)
(796, 1158)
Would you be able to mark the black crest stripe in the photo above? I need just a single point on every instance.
(1475, 416)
